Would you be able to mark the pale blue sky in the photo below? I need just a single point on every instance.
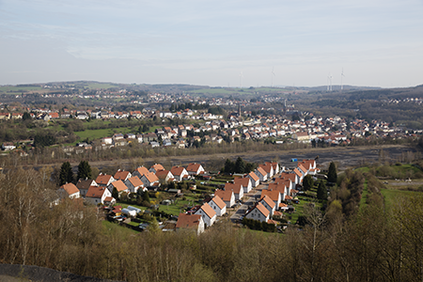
(376, 42)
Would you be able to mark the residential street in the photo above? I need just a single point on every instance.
(251, 197)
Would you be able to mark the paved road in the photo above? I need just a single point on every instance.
(253, 196)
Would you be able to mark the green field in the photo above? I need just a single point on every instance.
(391, 195)
(299, 208)
(364, 195)
(16, 89)
(111, 228)
(101, 86)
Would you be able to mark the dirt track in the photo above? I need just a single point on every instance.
(344, 156)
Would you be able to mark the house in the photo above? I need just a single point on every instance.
(218, 205)
(227, 196)
(155, 168)
(150, 180)
(299, 174)
(191, 222)
(84, 184)
(295, 179)
(122, 175)
(237, 189)
(104, 179)
(164, 175)
(245, 182)
(275, 166)
(140, 171)
(262, 175)
(273, 194)
(119, 185)
(255, 180)
(179, 173)
(268, 204)
(301, 137)
(268, 168)
(134, 183)
(99, 195)
(195, 169)
(208, 214)
(69, 190)
(8, 146)
(258, 212)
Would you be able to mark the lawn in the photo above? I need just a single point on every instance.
(392, 195)
(101, 86)
(299, 208)
(178, 206)
(364, 195)
(124, 205)
(15, 89)
(111, 228)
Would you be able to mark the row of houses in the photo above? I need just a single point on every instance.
(281, 191)
(99, 191)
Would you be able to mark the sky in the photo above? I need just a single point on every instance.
(236, 43)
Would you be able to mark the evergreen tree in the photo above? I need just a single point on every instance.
(308, 182)
(332, 175)
(322, 191)
(229, 166)
(239, 165)
(66, 175)
(146, 197)
(115, 193)
(84, 170)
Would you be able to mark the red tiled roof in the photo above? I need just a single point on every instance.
(70, 188)
(103, 179)
(224, 195)
(234, 187)
(177, 170)
(268, 201)
(244, 181)
(193, 167)
(95, 192)
(254, 176)
(208, 210)
(142, 170)
(157, 167)
(219, 202)
(121, 174)
(136, 181)
(188, 220)
(119, 185)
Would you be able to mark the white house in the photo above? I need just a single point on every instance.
(268, 204)
(150, 179)
(104, 179)
(227, 196)
(97, 194)
(255, 180)
(119, 185)
(84, 184)
(237, 189)
(165, 175)
(69, 190)
(245, 182)
(207, 213)
(134, 183)
(258, 212)
(218, 205)
(262, 175)
(195, 169)
(179, 172)
(191, 222)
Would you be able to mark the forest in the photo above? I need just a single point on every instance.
(345, 242)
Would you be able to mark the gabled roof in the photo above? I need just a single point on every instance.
(237, 188)
(103, 179)
(219, 202)
(84, 183)
(262, 209)
(266, 167)
(121, 174)
(290, 176)
(188, 220)
(253, 176)
(302, 168)
(70, 188)
(224, 195)
(95, 192)
(208, 210)
(141, 170)
(161, 174)
(193, 167)
(119, 185)
(273, 194)
(177, 170)
(297, 172)
(244, 181)
(157, 167)
(151, 177)
(136, 181)
(308, 164)
(268, 201)
(277, 186)
(261, 171)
